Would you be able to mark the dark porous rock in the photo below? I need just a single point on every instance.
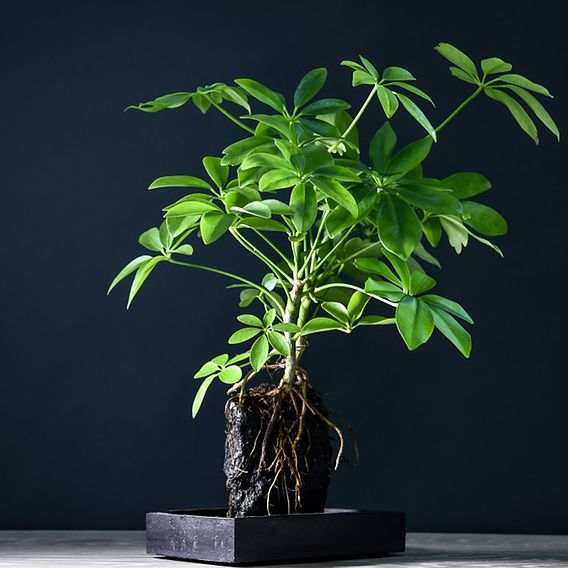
(249, 481)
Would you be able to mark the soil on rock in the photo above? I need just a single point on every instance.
(257, 488)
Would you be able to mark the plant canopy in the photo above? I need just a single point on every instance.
(343, 234)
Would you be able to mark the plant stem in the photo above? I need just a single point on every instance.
(274, 247)
(282, 276)
(262, 289)
(459, 108)
(232, 117)
(356, 119)
(338, 244)
(356, 288)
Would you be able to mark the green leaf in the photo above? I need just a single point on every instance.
(278, 341)
(249, 319)
(494, 65)
(337, 310)
(150, 239)
(400, 266)
(263, 224)
(217, 171)
(383, 290)
(200, 395)
(179, 181)
(382, 146)
(415, 322)
(277, 179)
(338, 220)
(374, 266)
(520, 81)
(184, 249)
(424, 255)
(356, 305)
(370, 68)
(362, 78)
(399, 227)
(315, 157)
(270, 281)
(417, 114)
(456, 232)
(388, 101)
(221, 359)
(244, 334)
(247, 297)
(410, 156)
(429, 198)
(484, 219)
(318, 325)
(207, 369)
(256, 208)
(238, 358)
(466, 184)
(287, 327)
(397, 74)
(414, 90)
(518, 112)
(262, 93)
(376, 320)
(453, 331)
(261, 160)
(186, 208)
(309, 86)
(231, 375)
(129, 269)
(201, 102)
(279, 123)
(325, 106)
(336, 192)
(269, 317)
(259, 353)
(448, 305)
(420, 283)
(432, 230)
(457, 57)
(540, 112)
(463, 76)
(142, 272)
(214, 225)
(237, 152)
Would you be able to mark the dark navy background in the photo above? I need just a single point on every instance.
(95, 401)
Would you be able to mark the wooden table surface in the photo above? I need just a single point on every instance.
(96, 549)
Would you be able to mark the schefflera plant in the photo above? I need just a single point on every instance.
(344, 240)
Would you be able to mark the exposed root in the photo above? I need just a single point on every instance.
(283, 443)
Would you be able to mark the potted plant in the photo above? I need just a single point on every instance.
(344, 241)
